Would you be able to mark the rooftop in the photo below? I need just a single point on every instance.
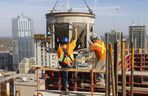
(28, 80)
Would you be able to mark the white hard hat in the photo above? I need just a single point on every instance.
(94, 37)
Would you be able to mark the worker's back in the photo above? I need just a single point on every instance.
(99, 48)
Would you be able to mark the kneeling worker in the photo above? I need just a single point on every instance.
(66, 57)
(98, 47)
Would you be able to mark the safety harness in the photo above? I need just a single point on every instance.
(65, 55)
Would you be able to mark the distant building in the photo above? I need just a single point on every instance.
(25, 65)
(139, 36)
(113, 37)
(6, 61)
(6, 57)
(45, 56)
(22, 32)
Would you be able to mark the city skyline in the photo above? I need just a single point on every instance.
(110, 15)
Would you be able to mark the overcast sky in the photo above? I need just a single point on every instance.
(110, 14)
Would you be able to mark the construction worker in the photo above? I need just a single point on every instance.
(98, 47)
(66, 57)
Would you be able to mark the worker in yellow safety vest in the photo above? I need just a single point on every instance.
(66, 57)
(98, 47)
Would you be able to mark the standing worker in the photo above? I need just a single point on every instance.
(66, 57)
(98, 47)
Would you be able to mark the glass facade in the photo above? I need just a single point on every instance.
(139, 36)
(22, 31)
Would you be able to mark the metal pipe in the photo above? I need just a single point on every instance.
(116, 67)
(92, 83)
(54, 6)
(0, 89)
(112, 69)
(123, 68)
(37, 77)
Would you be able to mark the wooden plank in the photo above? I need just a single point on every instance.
(123, 68)
(107, 80)
(132, 69)
(70, 69)
(112, 69)
(136, 89)
(136, 73)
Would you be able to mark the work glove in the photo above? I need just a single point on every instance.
(69, 65)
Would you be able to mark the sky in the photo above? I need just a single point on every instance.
(110, 14)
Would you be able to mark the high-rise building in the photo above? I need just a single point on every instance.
(43, 56)
(113, 36)
(138, 34)
(22, 32)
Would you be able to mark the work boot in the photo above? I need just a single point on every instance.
(66, 92)
(100, 82)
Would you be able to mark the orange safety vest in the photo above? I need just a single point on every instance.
(100, 50)
(67, 58)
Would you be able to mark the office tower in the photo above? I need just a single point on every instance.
(138, 34)
(22, 32)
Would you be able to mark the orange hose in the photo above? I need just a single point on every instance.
(92, 83)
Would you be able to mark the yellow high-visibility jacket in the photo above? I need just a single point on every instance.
(99, 48)
(69, 47)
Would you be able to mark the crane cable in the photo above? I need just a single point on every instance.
(89, 9)
(54, 6)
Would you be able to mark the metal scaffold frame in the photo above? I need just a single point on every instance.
(92, 71)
